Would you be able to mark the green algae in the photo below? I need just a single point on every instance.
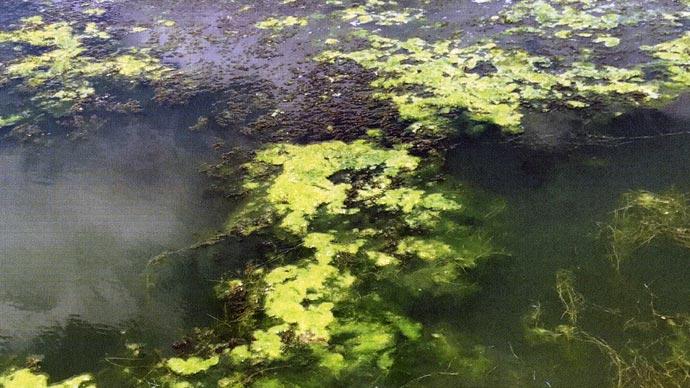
(304, 186)
(572, 301)
(645, 346)
(608, 40)
(491, 81)
(674, 56)
(552, 15)
(657, 358)
(316, 304)
(645, 217)
(94, 11)
(278, 24)
(190, 366)
(428, 81)
(62, 75)
(8, 121)
(25, 378)
(374, 12)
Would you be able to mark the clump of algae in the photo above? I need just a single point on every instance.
(25, 378)
(645, 216)
(357, 216)
(61, 75)
(278, 24)
(382, 13)
(428, 81)
(674, 57)
(494, 81)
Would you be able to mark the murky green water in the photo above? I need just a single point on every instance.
(557, 206)
(304, 194)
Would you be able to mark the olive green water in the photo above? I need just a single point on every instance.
(557, 206)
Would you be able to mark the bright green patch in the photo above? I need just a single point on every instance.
(304, 186)
(10, 120)
(94, 11)
(62, 75)
(608, 40)
(675, 58)
(190, 366)
(375, 12)
(278, 24)
(429, 81)
(324, 303)
(25, 378)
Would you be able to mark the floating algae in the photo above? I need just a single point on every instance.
(444, 75)
(62, 74)
(674, 57)
(25, 378)
(374, 12)
(359, 240)
(277, 24)
(493, 82)
(190, 366)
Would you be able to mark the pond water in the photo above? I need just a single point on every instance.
(557, 207)
(81, 220)
(297, 193)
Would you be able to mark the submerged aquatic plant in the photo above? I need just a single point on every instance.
(652, 348)
(645, 216)
(659, 358)
(571, 299)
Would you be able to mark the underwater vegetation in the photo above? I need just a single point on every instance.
(648, 348)
(645, 217)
